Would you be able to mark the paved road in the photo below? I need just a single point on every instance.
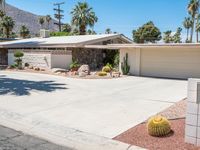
(14, 140)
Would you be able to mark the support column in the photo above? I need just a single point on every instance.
(192, 124)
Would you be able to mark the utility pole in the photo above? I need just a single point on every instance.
(59, 14)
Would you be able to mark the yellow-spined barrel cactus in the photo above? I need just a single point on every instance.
(158, 126)
(102, 73)
(106, 69)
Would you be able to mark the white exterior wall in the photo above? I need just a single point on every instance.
(35, 59)
(166, 62)
(61, 61)
(133, 60)
(44, 59)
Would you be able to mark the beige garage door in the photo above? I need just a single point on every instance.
(170, 63)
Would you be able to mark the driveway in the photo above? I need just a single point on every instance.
(104, 108)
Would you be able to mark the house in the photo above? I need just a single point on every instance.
(179, 61)
(58, 52)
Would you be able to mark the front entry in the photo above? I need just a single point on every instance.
(3, 57)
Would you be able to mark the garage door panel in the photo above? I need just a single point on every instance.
(171, 63)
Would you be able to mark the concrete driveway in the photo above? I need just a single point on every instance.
(104, 108)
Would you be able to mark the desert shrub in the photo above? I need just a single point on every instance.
(18, 59)
(74, 64)
(158, 126)
(102, 73)
(26, 65)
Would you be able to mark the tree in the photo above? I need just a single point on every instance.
(147, 33)
(48, 20)
(198, 29)
(67, 28)
(18, 59)
(24, 31)
(8, 25)
(193, 8)
(91, 32)
(177, 36)
(83, 16)
(2, 14)
(187, 25)
(108, 31)
(167, 38)
(41, 21)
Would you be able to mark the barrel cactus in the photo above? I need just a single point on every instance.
(106, 69)
(102, 73)
(158, 126)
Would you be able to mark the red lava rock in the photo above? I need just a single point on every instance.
(139, 136)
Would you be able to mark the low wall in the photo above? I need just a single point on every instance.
(43, 59)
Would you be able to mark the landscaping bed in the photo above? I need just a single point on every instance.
(93, 74)
(139, 136)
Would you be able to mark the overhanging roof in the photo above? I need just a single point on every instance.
(140, 46)
(63, 41)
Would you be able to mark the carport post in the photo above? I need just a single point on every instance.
(192, 124)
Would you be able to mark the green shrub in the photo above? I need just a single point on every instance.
(18, 59)
(60, 34)
(158, 126)
(102, 73)
(74, 65)
(26, 65)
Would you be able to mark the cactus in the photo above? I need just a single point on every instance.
(158, 126)
(125, 66)
(102, 73)
(106, 69)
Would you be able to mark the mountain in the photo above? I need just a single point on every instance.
(28, 19)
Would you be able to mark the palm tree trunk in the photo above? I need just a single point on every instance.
(197, 34)
(82, 30)
(187, 35)
(192, 30)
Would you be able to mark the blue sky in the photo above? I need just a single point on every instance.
(120, 15)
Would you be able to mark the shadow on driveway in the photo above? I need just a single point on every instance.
(23, 87)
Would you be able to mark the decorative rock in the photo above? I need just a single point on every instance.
(55, 70)
(84, 70)
(82, 74)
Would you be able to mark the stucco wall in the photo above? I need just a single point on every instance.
(44, 58)
(36, 59)
(133, 60)
(61, 61)
(167, 62)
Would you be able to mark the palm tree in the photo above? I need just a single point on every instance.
(41, 21)
(198, 30)
(8, 25)
(193, 8)
(83, 16)
(48, 20)
(24, 31)
(67, 28)
(187, 25)
(108, 31)
(2, 5)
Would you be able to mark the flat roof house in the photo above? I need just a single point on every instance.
(57, 52)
